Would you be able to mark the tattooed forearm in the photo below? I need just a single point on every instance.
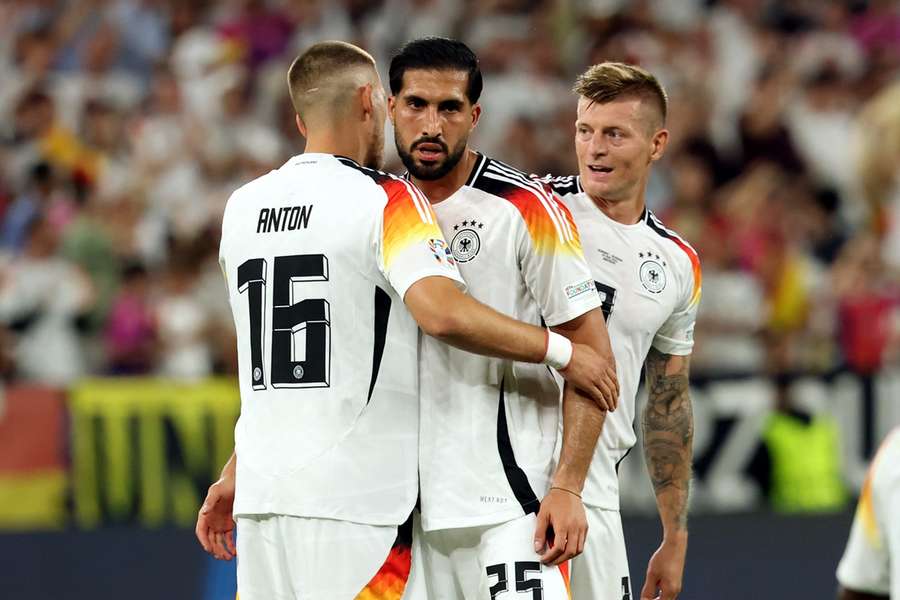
(668, 428)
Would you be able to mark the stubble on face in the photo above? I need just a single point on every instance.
(430, 171)
(629, 160)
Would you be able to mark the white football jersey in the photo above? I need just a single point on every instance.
(489, 426)
(871, 561)
(649, 280)
(317, 257)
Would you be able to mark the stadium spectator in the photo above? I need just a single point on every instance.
(41, 297)
(130, 333)
(143, 113)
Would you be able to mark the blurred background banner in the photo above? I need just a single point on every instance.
(33, 466)
(126, 124)
(145, 450)
(142, 451)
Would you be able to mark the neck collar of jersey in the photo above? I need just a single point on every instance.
(319, 155)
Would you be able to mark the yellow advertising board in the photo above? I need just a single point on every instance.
(145, 449)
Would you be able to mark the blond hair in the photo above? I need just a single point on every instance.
(325, 74)
(610, 81)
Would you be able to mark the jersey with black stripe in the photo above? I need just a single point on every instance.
(649, 280)
(317, 257)
(489, 426)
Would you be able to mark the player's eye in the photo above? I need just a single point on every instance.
(416, 103)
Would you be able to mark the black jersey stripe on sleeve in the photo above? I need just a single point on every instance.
(382, 315)
(392, 185)
(516, 477)
(562, 185)
(503, 181)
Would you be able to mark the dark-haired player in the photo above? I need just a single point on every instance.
(489, 427)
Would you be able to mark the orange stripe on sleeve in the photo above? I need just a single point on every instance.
(550, 224)
(695, 266)
(408, 220)
(865, 510)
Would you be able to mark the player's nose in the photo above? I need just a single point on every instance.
(598, 146)
(432, 123)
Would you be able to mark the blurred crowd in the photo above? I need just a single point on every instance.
(126, 124)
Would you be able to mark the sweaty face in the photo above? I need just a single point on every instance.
(375, 153)
(432, 121)
(616, 143)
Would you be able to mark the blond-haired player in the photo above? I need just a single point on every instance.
(649, 279)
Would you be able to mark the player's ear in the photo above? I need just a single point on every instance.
(301, 126)
(476, 114)
(365, 96)
(392, 102)
(658, 144)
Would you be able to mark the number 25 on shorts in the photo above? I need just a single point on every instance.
(522, 569)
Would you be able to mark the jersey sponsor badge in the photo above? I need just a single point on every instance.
(466, 242)
(652, 272)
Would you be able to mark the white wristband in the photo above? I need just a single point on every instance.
(559, 351)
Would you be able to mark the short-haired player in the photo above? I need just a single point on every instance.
(489, 427)
(649, 279)
(330, 265)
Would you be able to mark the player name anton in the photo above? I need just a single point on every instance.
(285, 218)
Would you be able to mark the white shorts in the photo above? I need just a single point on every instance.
(481, 563)
(296, 558)
(601, 571)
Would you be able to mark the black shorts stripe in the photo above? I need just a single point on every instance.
(516, 477)
(624, 456)
(382, 314)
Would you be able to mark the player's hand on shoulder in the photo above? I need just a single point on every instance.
(215, 523)
(561, 527)
(594, 375)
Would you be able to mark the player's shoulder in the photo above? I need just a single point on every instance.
(562, 185)
(679, 246)
(372, 175)
(396, 188)
(539, 210)
(510, 184)
(243, 195)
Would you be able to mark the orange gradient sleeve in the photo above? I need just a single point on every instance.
(408, 220)
(549, 222)
(695, 267)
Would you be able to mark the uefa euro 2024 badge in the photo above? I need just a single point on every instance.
(652, 272)
(466, 242)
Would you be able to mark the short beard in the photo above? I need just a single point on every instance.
(432, 172)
